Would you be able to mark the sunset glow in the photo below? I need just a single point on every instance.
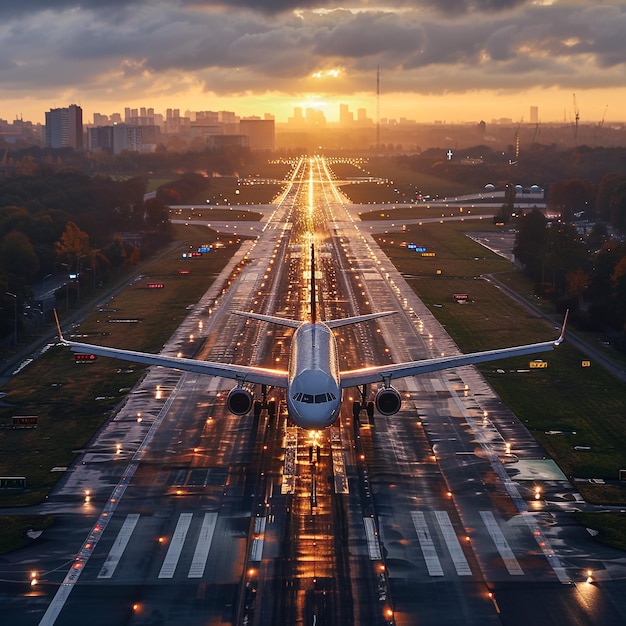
(461, 61)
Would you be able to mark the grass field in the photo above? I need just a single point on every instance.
(563, 397)
(72, 401)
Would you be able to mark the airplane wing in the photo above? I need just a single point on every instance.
(384, 373)
(246, 373)
(345, 321)
(272, 319)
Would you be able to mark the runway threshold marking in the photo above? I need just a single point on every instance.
(116, 552)
(452, 541)
(510, 562)
(373, 547)
(203, 546)
(426, 543)
(176, 546)
(78, 565)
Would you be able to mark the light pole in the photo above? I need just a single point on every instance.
(14, 316)
(78, 260)
(67, 287)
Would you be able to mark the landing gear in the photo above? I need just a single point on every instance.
(271, 409)
(359, 405)
(263, 403)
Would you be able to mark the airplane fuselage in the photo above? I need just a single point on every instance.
(313, 386)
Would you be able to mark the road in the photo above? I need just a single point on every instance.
(181, 513)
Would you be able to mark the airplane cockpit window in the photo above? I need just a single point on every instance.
(318, 398)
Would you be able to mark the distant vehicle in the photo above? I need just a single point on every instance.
(313, 382)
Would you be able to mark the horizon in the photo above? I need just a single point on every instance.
(458, 61)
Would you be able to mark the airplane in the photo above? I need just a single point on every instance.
(314, 381)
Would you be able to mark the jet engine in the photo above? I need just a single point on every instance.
(388, 401)
(239, 401)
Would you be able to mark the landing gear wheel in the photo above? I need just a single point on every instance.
(257, 408)
(370, 410)
(271, 408)
(356, 409)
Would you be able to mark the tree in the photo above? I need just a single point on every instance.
(19, 260)
(530, 242)
(74, 244)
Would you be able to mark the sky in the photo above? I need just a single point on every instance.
(449, 60)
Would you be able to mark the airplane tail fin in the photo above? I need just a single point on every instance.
(313, 305)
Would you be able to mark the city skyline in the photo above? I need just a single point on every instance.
(454, 61)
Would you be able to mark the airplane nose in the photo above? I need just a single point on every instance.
(311, 416)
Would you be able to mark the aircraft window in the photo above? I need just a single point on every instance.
(331, 396)
(297, 396)
(307, 397)
(321, 397)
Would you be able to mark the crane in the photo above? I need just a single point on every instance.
(600, 125)
(576, 119)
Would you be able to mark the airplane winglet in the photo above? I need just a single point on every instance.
(56, 319)
(559, 341)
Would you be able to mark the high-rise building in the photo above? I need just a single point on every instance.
(64, 127)
(534, 115)
(260, 133)
(346, 117)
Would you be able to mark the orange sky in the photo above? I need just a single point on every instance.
(447, 60)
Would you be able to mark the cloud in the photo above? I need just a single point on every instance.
(434, 46)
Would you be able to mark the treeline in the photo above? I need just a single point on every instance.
(70, 222)
(541, 165)
(580, 268)
(63, 211)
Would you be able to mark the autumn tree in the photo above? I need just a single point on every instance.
(73, 245)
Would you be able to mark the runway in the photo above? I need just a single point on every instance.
(196, 516)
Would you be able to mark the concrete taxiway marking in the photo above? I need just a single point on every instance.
(176, 546)
(426, 543)
(203, 546)
(373, 547)
(452, 541)
(256, 548)
(123, 537)
(510, 562)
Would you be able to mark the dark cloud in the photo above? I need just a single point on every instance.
(161, 45)
(272, 7)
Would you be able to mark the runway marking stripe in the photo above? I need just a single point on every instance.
(176, 546)
(56, 605)
(203, 546)
(426, 543)
(373, 547)
(452, 541)
(116, 552)
(510, 562)
(256, 550)
(437, 384)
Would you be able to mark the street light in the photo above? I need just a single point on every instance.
(14, 316)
